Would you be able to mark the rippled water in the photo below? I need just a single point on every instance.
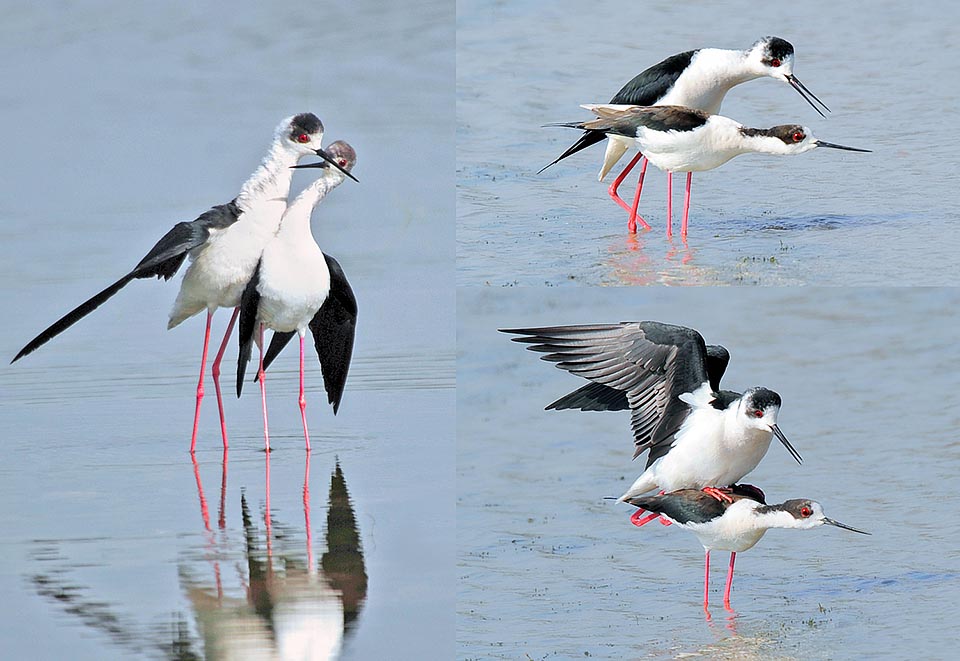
(122, 121)
(826, 217)
(548, 569)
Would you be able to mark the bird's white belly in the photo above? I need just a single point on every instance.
(705, 454)
(292, 288)
(681, 151)
(734, 531)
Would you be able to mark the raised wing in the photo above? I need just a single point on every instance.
(644, 89)
(163, 260)
(598, 397)
(249, 306)
(333, 328)
(650, 362)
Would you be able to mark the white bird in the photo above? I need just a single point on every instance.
(695, 79)
(296, 286)
(223, 244)
(678, 139)
(735, 524)
(698, 435)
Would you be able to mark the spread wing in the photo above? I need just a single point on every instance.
(333, 328)
(598, 397)
(163, 260)
(651, 363)
(644, 89)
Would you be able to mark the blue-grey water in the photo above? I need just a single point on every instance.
(549, 570)
(825, 217)
(122, 119)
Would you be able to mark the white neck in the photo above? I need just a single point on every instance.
(296, 219)
(270, 181)
(713, 72)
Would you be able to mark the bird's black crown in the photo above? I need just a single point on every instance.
(306, 122)
(775, 47)
(761, 399)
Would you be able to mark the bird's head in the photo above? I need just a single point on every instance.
(774, 57)
(339, 154)
(791, 139)
(301, 134)
(759, 408)
(804, 514)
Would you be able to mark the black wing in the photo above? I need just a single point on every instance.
(693, 505)
(249, 306)
(277, 343)
(645, 89)
(333, 328)
(650, 362)
(598, 397)
(163, 260)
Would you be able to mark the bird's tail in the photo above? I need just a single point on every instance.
(587, 139)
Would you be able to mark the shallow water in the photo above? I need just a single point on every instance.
(826, 217)
(549, 569)
(116, 545)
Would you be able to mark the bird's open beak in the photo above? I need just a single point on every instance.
(843, 525)
(783, 439)
(821, 143)
(807, 95)
(329, 159)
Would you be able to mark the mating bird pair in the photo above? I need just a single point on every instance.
(669, 112)
(702, 440)
(256, 254)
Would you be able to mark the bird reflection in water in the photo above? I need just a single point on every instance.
(293, 608)
(629, 259)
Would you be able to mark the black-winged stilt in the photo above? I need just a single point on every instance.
(223, 244)
(679, 139)
(698, 436)
(735, 524)
(296, 286)
(695, 79)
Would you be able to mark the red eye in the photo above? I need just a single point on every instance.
(775, 62)
(342, 162)
(805, 511)
(758, 414)
(303, 137)
(798, 136)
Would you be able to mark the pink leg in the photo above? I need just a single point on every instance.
(638, 520)
(263, 398)
(720, 493)
(632, 224)
(706, 581)
(303, 400)
(669, 204)
(203, 366)
(686, 207)
(216, 375)
(306, 515)
(726, 591)
(612, 190)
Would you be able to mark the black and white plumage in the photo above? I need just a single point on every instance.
(698, 79)
(223, 244)
(295, 287)
(697, 435)
(735, 524)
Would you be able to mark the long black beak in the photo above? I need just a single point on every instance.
(821, 143)
(783, 439)
(329, 159)
(843, 525)
(804, 92)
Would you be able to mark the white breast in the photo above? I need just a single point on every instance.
(294, 283)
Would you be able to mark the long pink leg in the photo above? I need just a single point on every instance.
(634, 217)
(216, 375)
(706, 581)
(612, 190)
(669, 204)
(203, 366)
(263, 399)
(303, 400)
(686, 207)
(726, 591)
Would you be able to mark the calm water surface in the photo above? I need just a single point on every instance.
(826, 217)
(120, 122)
(548, 569)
